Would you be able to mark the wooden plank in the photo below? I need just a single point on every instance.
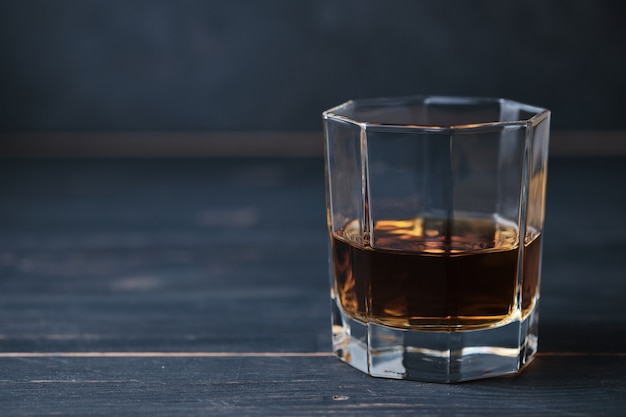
(161, 144)
(241, 144)
(217, 255)
(143, 255)
(298, 386)
(583, 266)
(588, 143)
(200, 286)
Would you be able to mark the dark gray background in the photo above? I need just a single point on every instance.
(275, 65)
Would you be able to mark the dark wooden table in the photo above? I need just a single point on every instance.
(199, 287)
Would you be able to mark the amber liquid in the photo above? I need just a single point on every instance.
(433, 274)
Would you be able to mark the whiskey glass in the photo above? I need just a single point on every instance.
(435, 212)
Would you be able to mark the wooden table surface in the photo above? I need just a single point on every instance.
(199, 287)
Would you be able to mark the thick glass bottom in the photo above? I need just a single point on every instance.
(435, 356)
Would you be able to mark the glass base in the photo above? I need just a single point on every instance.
(435, 356)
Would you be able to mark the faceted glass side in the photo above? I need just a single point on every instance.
(344, 200)
(537, 171)
(344, 170)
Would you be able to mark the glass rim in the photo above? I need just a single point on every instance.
(538, 113)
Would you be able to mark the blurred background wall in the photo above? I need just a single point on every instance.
(274, 65)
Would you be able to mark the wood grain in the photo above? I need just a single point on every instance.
(178, 287)
(203, 144)
(278, 386)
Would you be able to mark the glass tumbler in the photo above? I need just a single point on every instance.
(435, 210)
